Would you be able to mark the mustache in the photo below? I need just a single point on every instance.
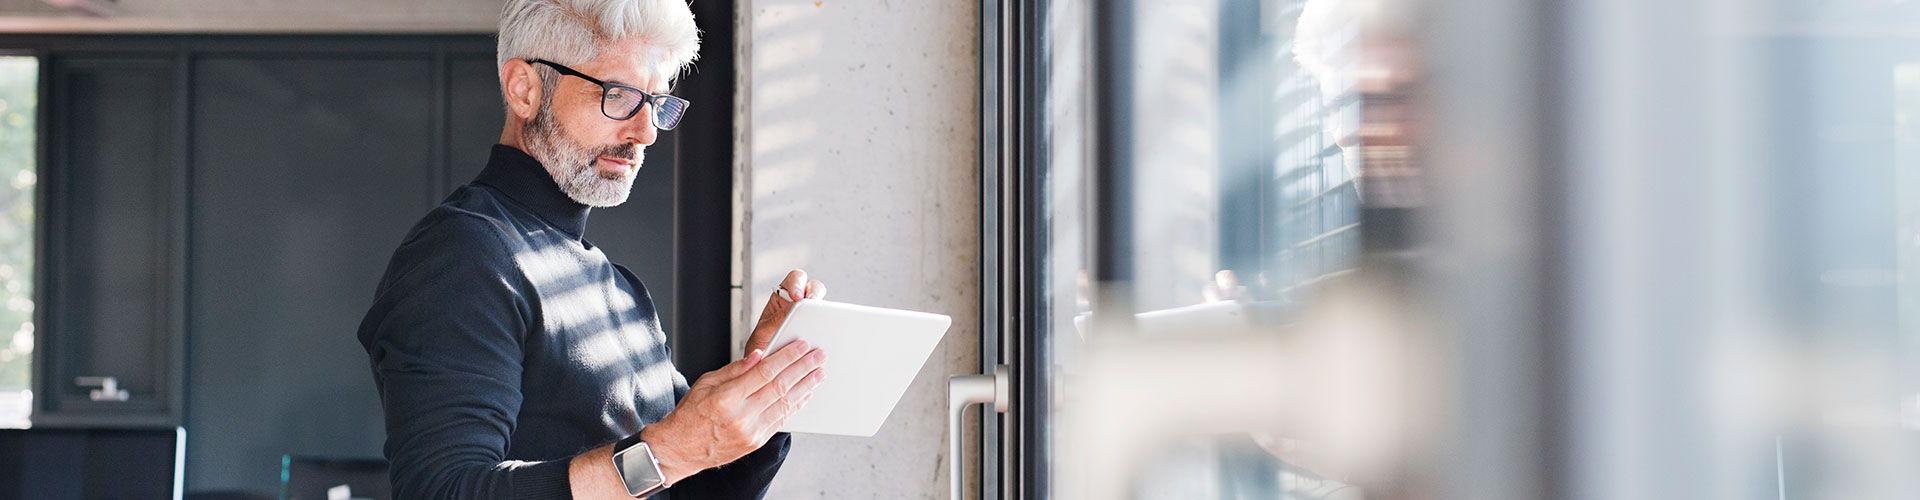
(623, 150)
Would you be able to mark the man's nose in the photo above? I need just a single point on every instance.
(639, 129)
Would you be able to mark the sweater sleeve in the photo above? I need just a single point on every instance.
(746, 478)
(445, 341)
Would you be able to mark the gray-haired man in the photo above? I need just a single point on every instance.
(513, 359)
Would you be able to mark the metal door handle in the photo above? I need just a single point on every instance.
(964, 391)
(108, 388)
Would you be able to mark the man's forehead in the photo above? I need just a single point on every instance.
(637, 63)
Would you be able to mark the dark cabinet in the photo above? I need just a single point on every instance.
(112, 299)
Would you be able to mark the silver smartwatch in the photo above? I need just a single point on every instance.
(637, 467)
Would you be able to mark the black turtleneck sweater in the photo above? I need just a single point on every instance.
(504, 343)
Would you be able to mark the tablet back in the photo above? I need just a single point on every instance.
(872, 355)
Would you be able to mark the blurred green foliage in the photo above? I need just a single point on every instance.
(19, 89)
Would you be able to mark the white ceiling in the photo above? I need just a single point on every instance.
(240, 16)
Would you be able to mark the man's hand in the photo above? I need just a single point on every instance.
(729, 412)
(734, 410)
(797, 287)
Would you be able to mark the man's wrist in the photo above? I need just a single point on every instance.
(592, 475)
(674, 465)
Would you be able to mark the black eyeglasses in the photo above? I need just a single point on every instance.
(621, 102)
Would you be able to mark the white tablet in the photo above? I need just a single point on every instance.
(872, 355)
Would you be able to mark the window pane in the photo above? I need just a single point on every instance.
(19, 87)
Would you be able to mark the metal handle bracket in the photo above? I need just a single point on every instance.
(964, 391)
(108, 388)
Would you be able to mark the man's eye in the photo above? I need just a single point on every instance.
(618, 93)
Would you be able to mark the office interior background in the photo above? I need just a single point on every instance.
(1233, 249)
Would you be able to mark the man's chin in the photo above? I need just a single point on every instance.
(595, 189)
(603, 198)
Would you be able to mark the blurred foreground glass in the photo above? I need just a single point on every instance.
(1271, 155)
(1514, 249)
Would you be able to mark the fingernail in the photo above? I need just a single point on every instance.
(785, 296)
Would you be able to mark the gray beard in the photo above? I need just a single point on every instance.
(571, 164)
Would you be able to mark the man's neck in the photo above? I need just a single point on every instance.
(512, 135)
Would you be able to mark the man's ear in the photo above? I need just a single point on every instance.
(520, 85)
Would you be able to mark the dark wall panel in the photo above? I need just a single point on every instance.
(307, 173)
(114, 304)
(474, 115)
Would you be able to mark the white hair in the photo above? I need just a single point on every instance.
(1324, 26)
(572, 32)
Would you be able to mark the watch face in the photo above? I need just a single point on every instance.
(637, 469)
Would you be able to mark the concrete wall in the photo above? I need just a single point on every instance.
(859, 137)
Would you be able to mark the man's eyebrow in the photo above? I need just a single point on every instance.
(667, 89)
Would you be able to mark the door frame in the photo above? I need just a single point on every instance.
(1015, 445)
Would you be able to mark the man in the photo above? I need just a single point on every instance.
(513, 359)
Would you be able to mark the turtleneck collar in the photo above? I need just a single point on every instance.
(520, 177)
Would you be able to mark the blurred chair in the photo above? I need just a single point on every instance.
(319, 478)
(228, 495)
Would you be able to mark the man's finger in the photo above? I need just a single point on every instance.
(816, 290)
(769, 324)
(795, 284)
(775, 415)
(790, 290)
(762, 336)
(767, 370)
(805, 388)
(782, 386)
(738, 366)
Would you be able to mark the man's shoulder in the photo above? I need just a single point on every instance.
(469, 225)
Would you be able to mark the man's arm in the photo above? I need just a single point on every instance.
(444, 338)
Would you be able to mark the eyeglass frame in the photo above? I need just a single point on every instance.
(648, 98)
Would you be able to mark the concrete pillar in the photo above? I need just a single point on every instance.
(858, 137)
